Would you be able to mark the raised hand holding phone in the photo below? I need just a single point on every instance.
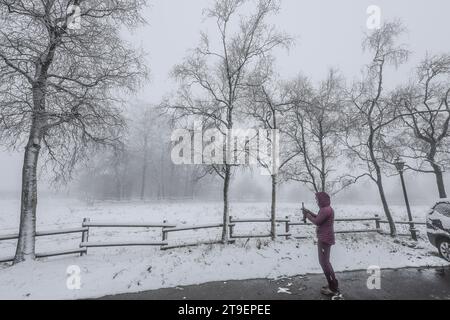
(304, 212)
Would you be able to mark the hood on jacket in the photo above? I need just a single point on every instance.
(323, 199)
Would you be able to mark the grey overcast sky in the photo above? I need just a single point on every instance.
(328, 33)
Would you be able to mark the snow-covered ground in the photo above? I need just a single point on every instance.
(120, 270)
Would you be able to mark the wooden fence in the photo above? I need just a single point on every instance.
(375, 220)
(85, 243)
(167, 229)
(234, 222)
(80, 250)
(412, 228)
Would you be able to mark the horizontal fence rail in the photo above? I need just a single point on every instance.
(60, 253)
(356, 219)
(256, 220)
(9, 237)
(80, 251)
(405, 223)
(7, 259)
(188, 228)
(128, 225)
(45, 233)
(234, 222)
(167, 228)
(192, 244)
(122, 244)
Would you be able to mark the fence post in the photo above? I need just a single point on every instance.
(231, 227)
(287, 228)
(164, 233)
(85, 235)
(413, 231)
(377, 223)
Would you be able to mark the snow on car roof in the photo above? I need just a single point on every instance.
(440, 201)
(446, 200)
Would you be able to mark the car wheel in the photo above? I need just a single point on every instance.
(444, 249)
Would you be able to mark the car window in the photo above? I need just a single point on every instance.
(443, 208)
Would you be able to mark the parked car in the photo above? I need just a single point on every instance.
(438, 227)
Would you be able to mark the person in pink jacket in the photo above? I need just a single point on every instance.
(324, 221)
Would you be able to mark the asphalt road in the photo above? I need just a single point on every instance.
(403, 284)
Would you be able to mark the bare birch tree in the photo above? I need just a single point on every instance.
(425, 103)
(61, 62)
(370, 113)
(213, 78)
(268, 103)
(314, 125)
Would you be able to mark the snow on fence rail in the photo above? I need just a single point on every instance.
(376, 219)
(80, 251)
(88, 224)
(412, 225)
(234, 222)
(288, 224)
(85, 229)
(167, 229)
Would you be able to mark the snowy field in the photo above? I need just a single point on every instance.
(120, 270)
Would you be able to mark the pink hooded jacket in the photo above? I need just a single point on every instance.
(324, 220)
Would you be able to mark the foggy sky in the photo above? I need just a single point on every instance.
(328, 34)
